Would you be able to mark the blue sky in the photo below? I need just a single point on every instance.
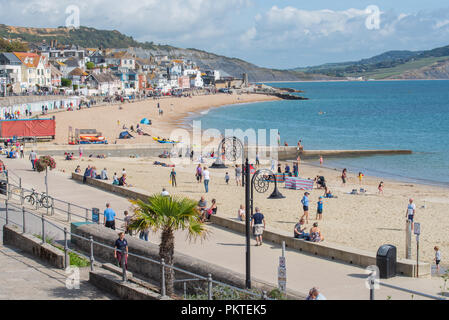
(279, 34)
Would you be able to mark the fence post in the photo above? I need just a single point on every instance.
(66, 250)
(209, 286)
(52, 206)
(162, 278)
(43, 228)
(185, 290)
(6, 210)
(23, 219)
(371, 290)
(92, 253)
(21, 196)
(69, 214)
(123, 261)
(87, 215)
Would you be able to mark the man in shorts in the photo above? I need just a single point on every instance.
(109, 217)
(238, 175)
(258, 221)
(305, 206)
(410, 213)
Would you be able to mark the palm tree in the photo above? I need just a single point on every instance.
(168, 214)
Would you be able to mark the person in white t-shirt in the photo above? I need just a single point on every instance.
(411, 210)
(206, 177)
(165, 193)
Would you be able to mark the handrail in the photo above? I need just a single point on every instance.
(61, 201)
(198, 277)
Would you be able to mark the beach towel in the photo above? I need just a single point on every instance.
(298, 183)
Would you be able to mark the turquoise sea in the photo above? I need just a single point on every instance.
(358, 115)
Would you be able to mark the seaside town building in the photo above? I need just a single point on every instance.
(50, 66)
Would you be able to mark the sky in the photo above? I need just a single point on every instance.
(277, 34)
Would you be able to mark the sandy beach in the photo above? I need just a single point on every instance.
(109, 120)
(361, 221)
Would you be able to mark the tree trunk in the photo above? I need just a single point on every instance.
(166, 252)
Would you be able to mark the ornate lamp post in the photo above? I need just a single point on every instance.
(231, 149)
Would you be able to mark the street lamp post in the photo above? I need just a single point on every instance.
(232, 149)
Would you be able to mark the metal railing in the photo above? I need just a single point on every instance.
(44, 223)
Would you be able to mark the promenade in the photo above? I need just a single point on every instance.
(227, 249)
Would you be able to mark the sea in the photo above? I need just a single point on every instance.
(412, 115)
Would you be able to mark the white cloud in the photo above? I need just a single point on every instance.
(277, 36)
(330, 36)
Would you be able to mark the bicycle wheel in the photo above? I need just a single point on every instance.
(29, 199)
(45, 202)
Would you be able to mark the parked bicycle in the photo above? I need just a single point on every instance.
(42, 199)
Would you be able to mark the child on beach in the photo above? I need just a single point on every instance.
(227, 178)
(381, 187)
(319, 210)
(344, 176)
(361, 175)
(437, 258)
(115, 179)
(173, 177)
(321, 160)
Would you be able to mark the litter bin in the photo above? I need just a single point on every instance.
(3, 187)
(386, 261)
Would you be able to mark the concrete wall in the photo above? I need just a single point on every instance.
(112, 283)
(128, 192)
(14, 237)
(152, 270)
(325, 249)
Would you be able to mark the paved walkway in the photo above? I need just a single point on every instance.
(23, 277)
(225, 248)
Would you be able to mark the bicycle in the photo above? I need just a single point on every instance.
(41, 199)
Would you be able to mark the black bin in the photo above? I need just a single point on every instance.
(386, 261)
(3, 187)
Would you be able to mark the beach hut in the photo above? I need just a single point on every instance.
(145, 121)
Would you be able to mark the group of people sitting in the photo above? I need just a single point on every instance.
(68, 155)
(91, 172)
(291, 172)
(313, 235)
(204, 211)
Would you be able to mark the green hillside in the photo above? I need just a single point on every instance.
(387, 65)
(84, 36)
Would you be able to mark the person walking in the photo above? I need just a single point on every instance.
(80, 151)
(127, 220)
(21, 152)
(314, 294)
(437, 258)
(173, 177)
(206, 175)
(259, 224)
(33, 157)
(305, 206)
(109, 217)
(199, 173)
(319, 209)
(121, 250)
(143, 235)
(238, 175)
